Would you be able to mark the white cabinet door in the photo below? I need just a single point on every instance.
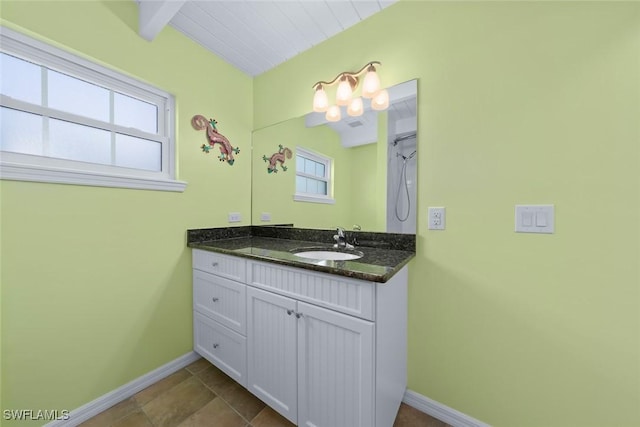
(272, 350)
(335, 369)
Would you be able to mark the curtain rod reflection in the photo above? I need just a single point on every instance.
(403, 138)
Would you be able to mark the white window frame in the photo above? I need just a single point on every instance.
(328, 163)
(25, 167)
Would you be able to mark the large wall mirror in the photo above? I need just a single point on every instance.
(357, 173)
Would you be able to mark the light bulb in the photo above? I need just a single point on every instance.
(371, 84)
(320, 101)
(333, 114)
(356, 108)
(380, 101)
(343, 94)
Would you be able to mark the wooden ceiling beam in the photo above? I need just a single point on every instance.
(153, 15)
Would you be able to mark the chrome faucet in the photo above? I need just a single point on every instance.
(341, 239)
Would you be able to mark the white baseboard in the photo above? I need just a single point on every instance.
(116, 396)
(440, 411)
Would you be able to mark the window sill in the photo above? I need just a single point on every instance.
(47, 174)
(312, 199)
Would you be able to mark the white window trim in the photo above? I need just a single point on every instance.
(316, 198)
(23, 167)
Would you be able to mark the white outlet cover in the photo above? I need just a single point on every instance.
(265, 217)
(235, 217)
(436, 218)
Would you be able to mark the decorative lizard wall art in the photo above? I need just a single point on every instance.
(214, 137)
(278, 157)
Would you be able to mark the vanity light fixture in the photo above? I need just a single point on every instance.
(356, 107)
(333, 113)
(347, 83)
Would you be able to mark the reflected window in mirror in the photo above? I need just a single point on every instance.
(313, 177)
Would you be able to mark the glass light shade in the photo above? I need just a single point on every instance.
(320, 101)
(380, 101)
(343, 94)
(333, 114)
(371, 84)
(356, 107)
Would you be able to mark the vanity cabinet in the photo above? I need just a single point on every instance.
(322, 350)
(311, 364)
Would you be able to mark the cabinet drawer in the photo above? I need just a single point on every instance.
(221, 346)
(350, 296)
(220, 299)
(227, 266)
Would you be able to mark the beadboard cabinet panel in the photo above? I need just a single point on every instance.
(272, 350)
(335, 369)
(354, 297)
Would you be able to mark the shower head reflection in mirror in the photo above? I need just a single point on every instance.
(405, 150)
(365, 171)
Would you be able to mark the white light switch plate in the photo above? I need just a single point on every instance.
(235, 217)
(535, 219)
(436, 218)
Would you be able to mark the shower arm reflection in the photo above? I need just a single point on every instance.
(403, 178)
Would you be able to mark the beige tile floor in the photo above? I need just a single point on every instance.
(201, 395)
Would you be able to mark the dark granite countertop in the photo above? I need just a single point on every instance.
(387, 254)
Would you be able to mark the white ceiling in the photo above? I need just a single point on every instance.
(255, 35)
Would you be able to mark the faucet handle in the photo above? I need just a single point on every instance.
(340, 232)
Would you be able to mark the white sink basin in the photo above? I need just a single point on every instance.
(330, 255)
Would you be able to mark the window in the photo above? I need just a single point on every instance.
(67, 120)
(313, 177)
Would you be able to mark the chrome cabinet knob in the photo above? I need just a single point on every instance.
(215, 299)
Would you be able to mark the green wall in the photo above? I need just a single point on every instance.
(364, 201)
(519, 103)
(96, 282)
